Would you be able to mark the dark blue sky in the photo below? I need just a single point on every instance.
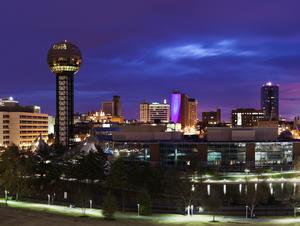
(218, 51)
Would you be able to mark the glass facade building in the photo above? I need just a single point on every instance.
(270, 101)
(273, 154)
(226, 154)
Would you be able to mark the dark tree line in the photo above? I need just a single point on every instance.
(84, 174)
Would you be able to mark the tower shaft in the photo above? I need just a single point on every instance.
(64, 109)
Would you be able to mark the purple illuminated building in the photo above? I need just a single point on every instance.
(175, 107)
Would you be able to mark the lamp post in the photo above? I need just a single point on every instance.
(138, 206)
(191, 207)
(208, 189)
(49, 198)
(6, 196)
(246, 188)
(247, 171)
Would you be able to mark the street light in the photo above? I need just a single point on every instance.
(65, 195)
(49, 199)
(6, 196)
(247, 171)
(271, 188)
(138, 206)
(208, 189)
(193, 187)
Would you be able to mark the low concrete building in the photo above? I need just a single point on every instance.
(242, 134)
(21, 125)
(137, 132)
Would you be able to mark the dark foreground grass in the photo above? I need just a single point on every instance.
(23, 217)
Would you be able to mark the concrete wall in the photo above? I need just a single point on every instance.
(219, 134)
(242, 134)
(146, 136)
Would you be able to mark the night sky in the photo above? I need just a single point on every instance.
(218, 51)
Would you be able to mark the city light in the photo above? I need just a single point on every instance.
(187, 114)
(175, 107)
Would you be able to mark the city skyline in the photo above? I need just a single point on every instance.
(158, 112)
(219, 54)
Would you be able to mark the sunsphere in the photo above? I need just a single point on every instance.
(64, 60)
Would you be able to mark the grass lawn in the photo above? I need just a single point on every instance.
(32, 214)
(17, 217)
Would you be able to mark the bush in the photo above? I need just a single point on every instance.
(109, 206)
(145, 203)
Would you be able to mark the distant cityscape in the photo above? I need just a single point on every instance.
(160, 125)
(159, 112)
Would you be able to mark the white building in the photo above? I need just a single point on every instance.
(21, 125)
(154, 112)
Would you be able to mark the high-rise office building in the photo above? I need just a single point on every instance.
(159, 112)
(211, 117)
(144, 112)
(176, 107)
(192, 112)
(246, 117)
(113, 107)
(270, 101)
(64, 60)
(21, 125)
(112, 110)
(180, 109)
(184, 113)
(108, 107)
(117, 106)
(155, 112)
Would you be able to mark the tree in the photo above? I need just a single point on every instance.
(117, 179)
(213, 203)
(86, 168)
(145, 203)
(254, 197)
(288, 194)
(16, 171)
(109, 206)
(179, 184)
(49, 166)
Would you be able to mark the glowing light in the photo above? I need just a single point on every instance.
(175, 107)
(240, 188)
(208, 189)
(224, 189)
(193, 187)
(271, 188)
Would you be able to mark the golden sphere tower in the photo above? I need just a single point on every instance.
(64, 60)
